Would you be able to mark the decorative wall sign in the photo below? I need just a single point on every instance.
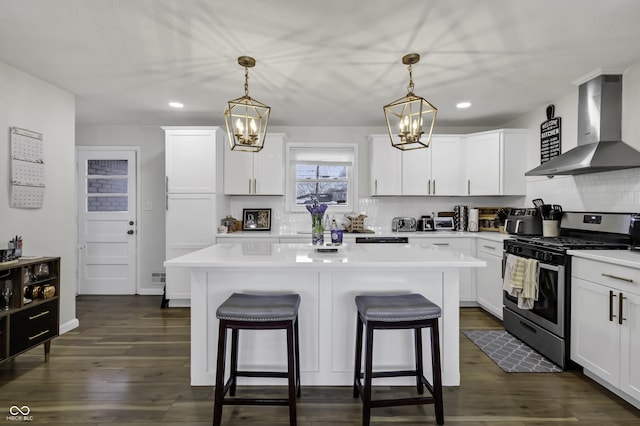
(550, 136)
(27, 169)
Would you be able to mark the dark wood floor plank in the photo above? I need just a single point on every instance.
(128, 364)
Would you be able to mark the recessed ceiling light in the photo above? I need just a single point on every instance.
(176, 105)
(463, 105)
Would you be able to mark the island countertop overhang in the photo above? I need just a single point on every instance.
(348, 256)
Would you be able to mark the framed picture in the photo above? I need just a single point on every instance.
(256, 219)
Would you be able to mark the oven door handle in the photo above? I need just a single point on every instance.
(556, 268)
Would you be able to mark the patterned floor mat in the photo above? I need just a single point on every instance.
(511, 354)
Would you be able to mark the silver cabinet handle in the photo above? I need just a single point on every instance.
(41, 314)
(249, 185)
(375, 191)
(42, 333)
(620, 304)
(611, 296)
(166, 193)
(434, 187)
(628, 280)
(429, 186)
(441, 244)
(255, 186)
(468, 186)
(489, 247)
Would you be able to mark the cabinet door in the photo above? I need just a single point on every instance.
(269, 167)
(190, 160)
(190, 226)
(482, 164)
(446, 165)
(385, 166)
(630, 346)
(489, 284)
(416, 172)
(238, 172)
(463, 245)
(595, 340)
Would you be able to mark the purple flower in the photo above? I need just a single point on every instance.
(316, 208)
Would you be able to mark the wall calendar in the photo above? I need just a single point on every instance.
(27, 169)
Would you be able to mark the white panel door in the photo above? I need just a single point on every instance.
(107, 220)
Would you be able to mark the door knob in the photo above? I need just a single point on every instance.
(130, 232)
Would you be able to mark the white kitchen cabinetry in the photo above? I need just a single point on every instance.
(193, 165)
(605, 324)
(489, 279)
(431, 171)
(385, 166)
(495, 162)
(190, 154)
(259, 173)
(463, 245)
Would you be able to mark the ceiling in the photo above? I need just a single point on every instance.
(319, 63)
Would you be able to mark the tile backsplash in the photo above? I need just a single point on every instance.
(614, 191)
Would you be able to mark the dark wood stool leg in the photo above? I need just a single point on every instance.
(297, 354)
(291, 368)
(234, 361)
(358, 360)
(437, 374)
(419, 362)
(219, 391)
(368, 371)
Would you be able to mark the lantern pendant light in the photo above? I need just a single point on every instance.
(413, 116)
(246, 118)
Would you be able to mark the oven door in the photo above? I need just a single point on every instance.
(548, 310)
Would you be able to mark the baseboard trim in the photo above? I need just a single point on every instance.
(69, 325)
(150, 292)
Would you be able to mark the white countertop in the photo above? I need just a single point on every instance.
(617, 257)
(494, 236)
(349, 256)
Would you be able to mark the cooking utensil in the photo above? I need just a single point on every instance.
(538, 202)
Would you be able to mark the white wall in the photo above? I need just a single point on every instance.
(151, 232)
(33, 104)
(614, 191)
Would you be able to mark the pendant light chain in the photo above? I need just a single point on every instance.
(410, 86)
(246, 81)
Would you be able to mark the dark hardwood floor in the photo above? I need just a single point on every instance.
(128, 364)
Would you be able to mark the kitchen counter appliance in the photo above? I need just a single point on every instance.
(524, 221)
(546, 326)
(404, 224)
(425, 224)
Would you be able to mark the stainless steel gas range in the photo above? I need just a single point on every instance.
(546, 326)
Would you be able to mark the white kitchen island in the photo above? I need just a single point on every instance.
(327, 284)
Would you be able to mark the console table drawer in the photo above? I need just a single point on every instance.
(33, 326)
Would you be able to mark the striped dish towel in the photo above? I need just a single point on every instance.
(521, 280)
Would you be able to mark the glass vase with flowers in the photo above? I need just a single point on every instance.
(317, 210)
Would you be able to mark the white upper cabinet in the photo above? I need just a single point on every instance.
(190, 159)
(260, 173)
(430, 171)
(495, 162)
(385, 166)
(446, 165)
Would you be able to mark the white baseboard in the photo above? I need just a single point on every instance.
(150, 292)
(179, 303)
(69, 325)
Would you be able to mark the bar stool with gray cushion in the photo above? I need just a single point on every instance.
(406, 311)
(257, 312)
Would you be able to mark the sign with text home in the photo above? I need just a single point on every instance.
(550, 132)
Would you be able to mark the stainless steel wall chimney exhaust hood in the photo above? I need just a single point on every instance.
(599, 132)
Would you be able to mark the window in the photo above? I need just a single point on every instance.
(326, 172)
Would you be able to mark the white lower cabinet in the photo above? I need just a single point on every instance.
(489, 279)
(605, 324)
(463, 245)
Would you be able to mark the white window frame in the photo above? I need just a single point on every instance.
(352, 174)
